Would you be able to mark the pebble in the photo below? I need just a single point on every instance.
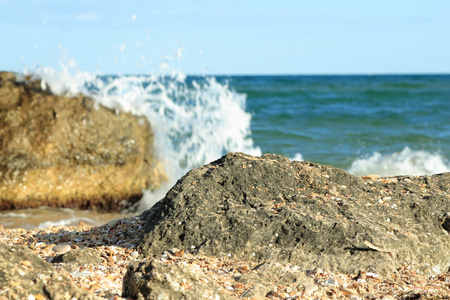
(134, 254)
(62, 248)
(81, 274)
(311, 288)
(374, 275)
(330, 282)
(371, 177)
(349, 292)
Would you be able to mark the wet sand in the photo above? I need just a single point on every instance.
(47, 216)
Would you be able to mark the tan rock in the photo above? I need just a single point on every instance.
(67, 152)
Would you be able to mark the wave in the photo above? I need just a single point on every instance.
(406, 162)
(297, 157)
(194, 121)
(65, 222)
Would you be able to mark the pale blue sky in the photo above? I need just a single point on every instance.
(229, 37)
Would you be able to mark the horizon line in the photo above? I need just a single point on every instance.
(325, 74)
(276, 74)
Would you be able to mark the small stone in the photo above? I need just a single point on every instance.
(25, 263)
(311, 288)
(134, 254)
(371, 177)
(373, 275)
(349, 292)
(62, 248)
(330, 282)
(389, 180)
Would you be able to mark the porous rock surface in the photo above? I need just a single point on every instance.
(314, 216)
(76, 258)
(156, 280)
(24, 275)
(69, 152)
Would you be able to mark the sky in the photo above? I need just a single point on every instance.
(228, 37)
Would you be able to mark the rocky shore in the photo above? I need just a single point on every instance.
(247, 227)
(64, 151)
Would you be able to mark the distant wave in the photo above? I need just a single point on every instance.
(65, 222)
(297, 157)
(406, 162)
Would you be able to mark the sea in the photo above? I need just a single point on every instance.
(365, 124)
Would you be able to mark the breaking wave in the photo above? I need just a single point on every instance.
(194, 121)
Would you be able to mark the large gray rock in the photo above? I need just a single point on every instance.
(310, 215)
(68, 152)
(24, 275)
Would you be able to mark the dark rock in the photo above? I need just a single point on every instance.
(76, 258)
(69, 152)
(24, 274)
(310, 215)
(156, 280)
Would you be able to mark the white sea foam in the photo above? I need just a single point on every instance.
(194, 123)
(297, 157)
(65, 222)
(9, 214)
(406, 162)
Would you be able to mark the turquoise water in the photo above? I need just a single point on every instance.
(338, 120)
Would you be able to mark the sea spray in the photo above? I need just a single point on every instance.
(298, 157)
(405, 162)
(194, 121)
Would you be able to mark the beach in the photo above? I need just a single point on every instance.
(115, 243)
(95, 259)
(224, 151)
(171, 252)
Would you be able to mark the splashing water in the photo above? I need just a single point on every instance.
(298, 157)
(406, 162)
(194, 122)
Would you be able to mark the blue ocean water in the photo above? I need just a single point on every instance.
(387, 125)
(384, 124)
(401, 121)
